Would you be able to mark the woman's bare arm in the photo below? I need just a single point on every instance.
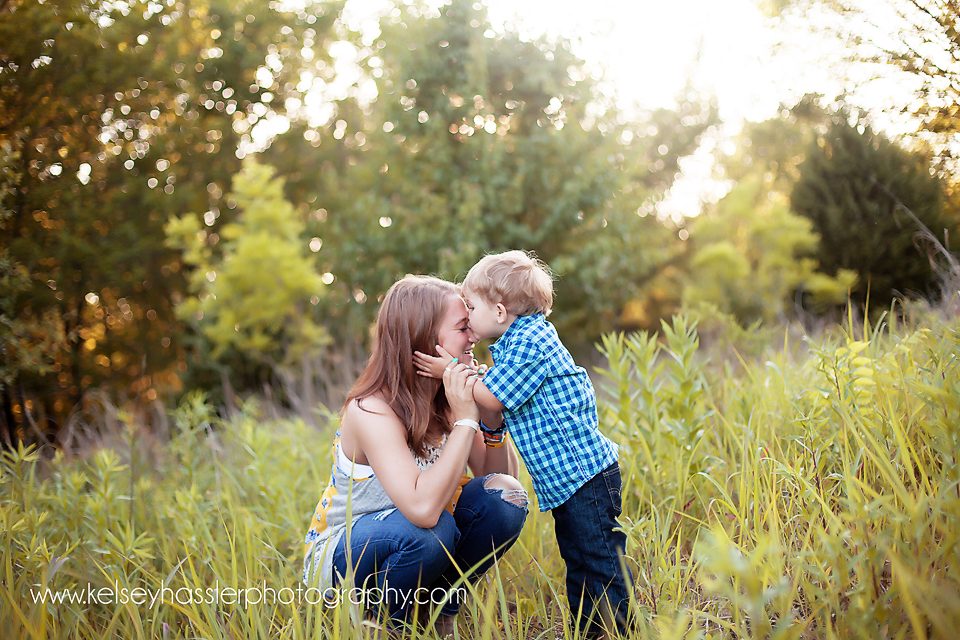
(378, 435)
(485, 460)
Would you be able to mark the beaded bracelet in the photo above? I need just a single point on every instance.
(494, 444)
(494, 438)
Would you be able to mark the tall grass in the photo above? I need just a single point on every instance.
(814, 494)
(817, 498)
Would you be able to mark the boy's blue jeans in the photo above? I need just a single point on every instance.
(411, 566)
(592, 551)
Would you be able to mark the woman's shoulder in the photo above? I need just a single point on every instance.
(374, 403)
(370, 409)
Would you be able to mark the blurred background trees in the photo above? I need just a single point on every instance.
(112, 119)
(253, 295)
(816, 214)
(479, 142)
(920, 38)
(751, 255)
(855, 181)
(144, 253)
(853, 186)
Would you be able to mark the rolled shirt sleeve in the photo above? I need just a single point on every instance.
(515, 381)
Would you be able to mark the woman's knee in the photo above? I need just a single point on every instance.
(447, 525)
(430, 549)
(510, 489)
(442, 538)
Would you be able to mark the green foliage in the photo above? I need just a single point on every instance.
(27, 342)
(659, 410)
(103, 523)
(841, 191)
(118, 115)
(825, 490)
(750, 255)
(773, 149)
(480, 142)
(255, 295)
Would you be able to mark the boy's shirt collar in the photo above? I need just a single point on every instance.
(515, 327)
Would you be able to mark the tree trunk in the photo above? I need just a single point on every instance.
(309, 400)
(9, 429)
(229, 397)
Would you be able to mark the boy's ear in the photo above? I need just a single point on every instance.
(501, 312)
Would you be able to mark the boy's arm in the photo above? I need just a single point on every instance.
(490, 418)
(485, 460)
(485, 399)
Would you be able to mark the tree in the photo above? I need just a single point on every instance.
(480, 142)
(119, 114)
(773, 149)
(28, 341)
(920, 37)
(842, 190)
(254, 295)
(751, 254)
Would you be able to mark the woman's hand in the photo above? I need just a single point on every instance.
(458, 383)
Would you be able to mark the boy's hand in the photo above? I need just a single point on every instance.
(432, 366)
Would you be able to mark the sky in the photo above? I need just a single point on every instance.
(648, 49)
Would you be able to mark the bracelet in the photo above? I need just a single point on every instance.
(494, 438)
(473, 424)
(495, 442)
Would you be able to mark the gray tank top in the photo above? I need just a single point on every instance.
(352, 491)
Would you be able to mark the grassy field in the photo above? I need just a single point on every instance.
(810, 493)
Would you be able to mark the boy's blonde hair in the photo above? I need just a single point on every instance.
(519, 281)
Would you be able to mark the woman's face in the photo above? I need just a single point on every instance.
(455, 335)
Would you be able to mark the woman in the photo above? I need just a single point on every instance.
(399, 466)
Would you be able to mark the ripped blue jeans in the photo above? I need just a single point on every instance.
(411, 567)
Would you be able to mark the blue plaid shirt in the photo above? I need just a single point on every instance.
(550, 408)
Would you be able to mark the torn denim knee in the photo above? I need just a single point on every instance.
(516, 497)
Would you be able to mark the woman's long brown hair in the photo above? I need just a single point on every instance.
(408, 321)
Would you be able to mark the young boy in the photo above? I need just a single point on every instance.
(550, 408)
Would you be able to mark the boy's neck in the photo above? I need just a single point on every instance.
(504, 325)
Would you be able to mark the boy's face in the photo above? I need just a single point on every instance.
(486, 318)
